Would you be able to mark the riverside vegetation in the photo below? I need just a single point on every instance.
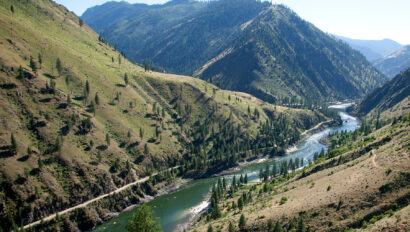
(79, 120)
(361, 183)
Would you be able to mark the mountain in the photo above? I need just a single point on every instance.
(110, 12)
(372, 49)
(395, 62)
(249, 46)
(78, 120)
(136, 20)
(281, 57)
(389, 100)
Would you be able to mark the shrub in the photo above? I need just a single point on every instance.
(283, 200)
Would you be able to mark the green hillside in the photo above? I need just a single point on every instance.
(282, 58)
(79, 120)
(390, 100)
(244, 45)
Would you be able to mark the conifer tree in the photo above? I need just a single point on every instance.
(97, 99)
(240, 203)
(141, 133)
(59, 67)
(242, 222)
(143, 220)
(231, 228)
(33, 65)
(92, 107)
(270, 225)
(40, 60)
(278, 227)
(107, 139)
(301, 225)
(13, 143)
(126, 79)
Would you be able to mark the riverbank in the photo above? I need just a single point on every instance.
(182, 208)
(163, 190)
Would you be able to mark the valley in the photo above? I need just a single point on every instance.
(177, 209)
(226, 115)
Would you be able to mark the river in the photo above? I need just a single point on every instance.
(175, 209)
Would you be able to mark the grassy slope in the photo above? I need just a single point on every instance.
(76, 173)
(368, 184)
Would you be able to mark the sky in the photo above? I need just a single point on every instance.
(357, 19)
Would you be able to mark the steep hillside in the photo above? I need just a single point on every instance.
(137, 27)
(99, 17)
(360, 185)
(249, 46)
(372, 49)
(394, 63)
(390, 100)
(280, 58)
(78, 120)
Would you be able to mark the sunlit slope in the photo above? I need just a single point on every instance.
(80, 128)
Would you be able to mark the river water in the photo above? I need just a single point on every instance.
(178, 207)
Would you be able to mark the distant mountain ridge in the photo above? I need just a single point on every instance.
(372, 49)
(245, 45)
(394, 63)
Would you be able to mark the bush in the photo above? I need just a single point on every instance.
(283, 200)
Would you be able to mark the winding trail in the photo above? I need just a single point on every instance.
(374, 161)
(84, 204)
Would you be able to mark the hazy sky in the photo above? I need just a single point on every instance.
(358, 19)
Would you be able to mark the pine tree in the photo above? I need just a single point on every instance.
(40, 60)
(141, 133)
(270, 225)
(246, 178)
(12, 13)
(59, 67)
(13, 143)
(107, 139)
(87, 89)
(242, 222)
(92, 107)
(33, 65)
(126, 79)
(129, 135)
(278, 227)
(97, 99)
(240, 203)
(231, 228)
(143, 220)
(301, 225)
